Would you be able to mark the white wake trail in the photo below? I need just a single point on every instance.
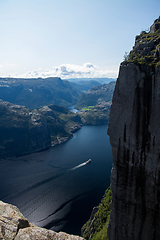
(80, 165)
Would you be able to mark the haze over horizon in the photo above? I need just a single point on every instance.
(70, 39)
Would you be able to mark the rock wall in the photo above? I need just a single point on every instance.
(14, 226)
(134, 130)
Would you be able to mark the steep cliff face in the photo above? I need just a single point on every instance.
(22, 131)
(134, 130)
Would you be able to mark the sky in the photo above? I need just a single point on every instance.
(70, 38)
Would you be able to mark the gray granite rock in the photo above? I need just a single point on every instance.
(13, 225)
(11, 220)
(155, 26)
(134, 130)
(34, 233)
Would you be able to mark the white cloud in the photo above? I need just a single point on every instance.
(66, 71)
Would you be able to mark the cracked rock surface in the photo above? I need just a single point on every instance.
(14, 226)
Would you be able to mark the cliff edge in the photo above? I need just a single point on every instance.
(134, 130)
(13, 225)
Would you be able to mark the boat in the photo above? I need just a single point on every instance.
(89, 161)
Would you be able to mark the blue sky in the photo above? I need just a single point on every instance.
(70, 38)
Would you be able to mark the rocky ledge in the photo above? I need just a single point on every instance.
(14, 226)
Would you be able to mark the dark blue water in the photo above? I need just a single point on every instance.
(55, 188)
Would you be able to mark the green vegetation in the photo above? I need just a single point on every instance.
(146, 49)
(86, 100)
(87, 108)
(95, 104)
(96, 228)
(96, 115)
(102, 235)
(96, 95)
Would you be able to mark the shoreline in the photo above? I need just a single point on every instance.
(59, 141)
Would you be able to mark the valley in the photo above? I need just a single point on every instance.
(25, 130)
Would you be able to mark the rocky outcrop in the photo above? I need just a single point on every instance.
(22, 131)
(147, 46)
(13, 225)
(134, 130)
(155, 26)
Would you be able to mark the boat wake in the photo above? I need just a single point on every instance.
(80, 165)
(47, 180)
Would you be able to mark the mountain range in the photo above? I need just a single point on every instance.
(35, 93)
(96, 95)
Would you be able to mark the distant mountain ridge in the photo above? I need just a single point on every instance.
(96, 95)
(35, 93)
(100, 80)
(84, 86)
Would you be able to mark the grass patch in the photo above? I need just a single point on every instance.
(88, 108)
(102, 235)
(100, 221)
(140, 55)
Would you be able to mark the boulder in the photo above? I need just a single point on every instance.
(11, 220)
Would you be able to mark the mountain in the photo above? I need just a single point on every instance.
(24, 131)
(35, 93)
(100, 80)
(96, 115)
(134, 130)
(61, 122)
(96, 95)
(84, 86)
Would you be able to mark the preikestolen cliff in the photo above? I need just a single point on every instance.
(134, 135)
(130, 207)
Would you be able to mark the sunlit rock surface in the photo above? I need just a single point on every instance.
(134, 130)
(13, 225)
